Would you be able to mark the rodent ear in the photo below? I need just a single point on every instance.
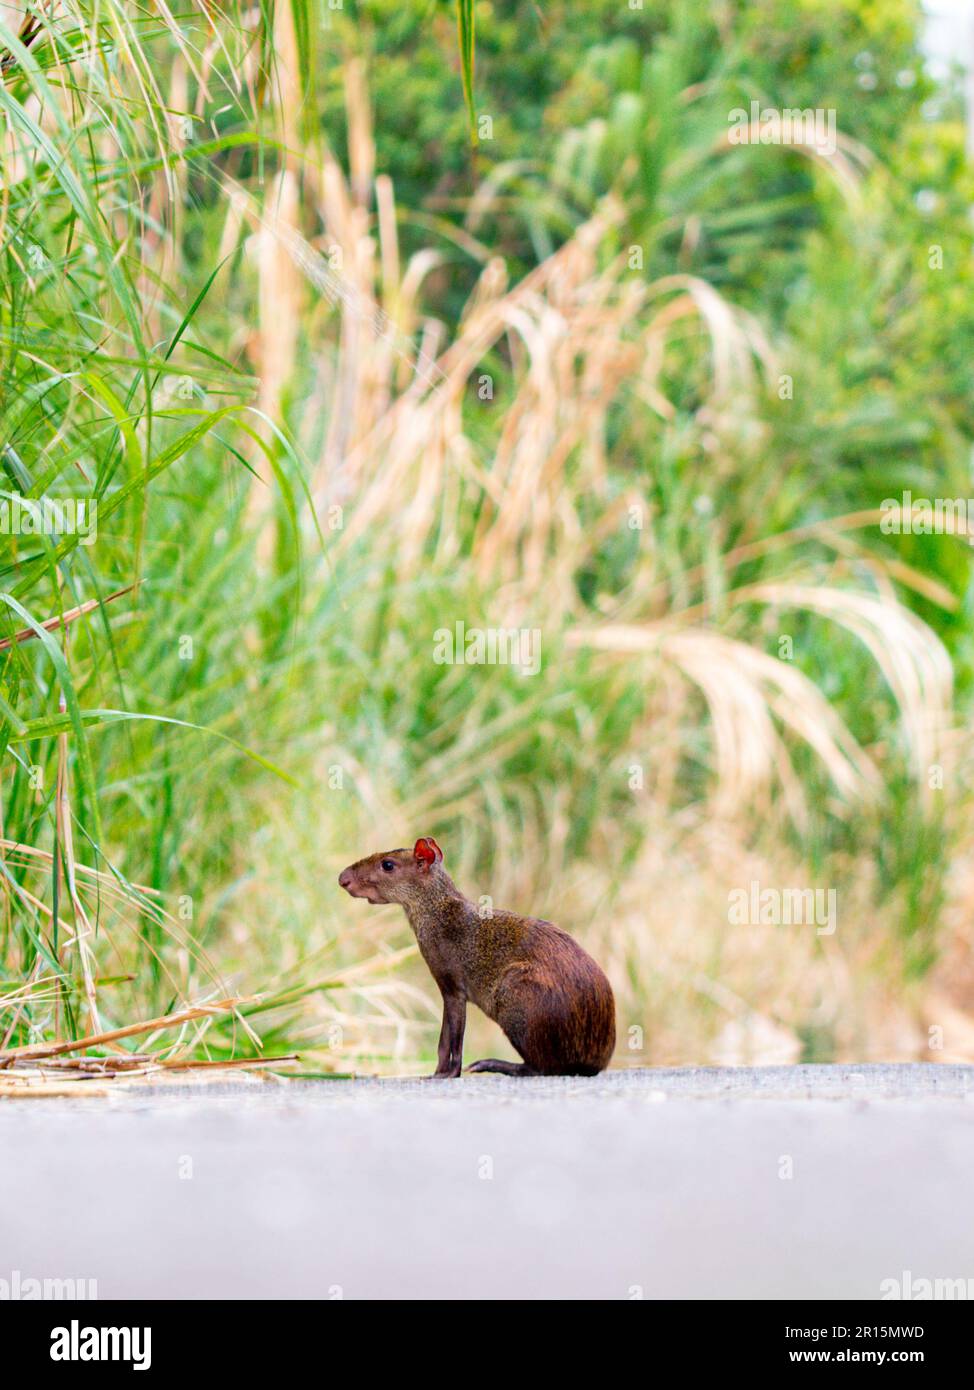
(426, 851)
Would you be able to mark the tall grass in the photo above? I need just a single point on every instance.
(107, 386)
(227, 334)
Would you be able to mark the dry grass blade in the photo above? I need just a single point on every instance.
(25, 634)
(66, 866)
(56, 1049)
(744, 687)
(234, 1063)
(910, 655)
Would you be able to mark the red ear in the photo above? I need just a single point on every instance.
(427, 851)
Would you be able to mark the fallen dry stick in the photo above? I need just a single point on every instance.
(50, 1088)
(33, 1052)
(96, 1064)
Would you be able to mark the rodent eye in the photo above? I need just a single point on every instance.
(388, 865)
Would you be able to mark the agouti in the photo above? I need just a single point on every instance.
(549, 996)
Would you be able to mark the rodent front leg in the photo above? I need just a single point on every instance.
(449, 1057)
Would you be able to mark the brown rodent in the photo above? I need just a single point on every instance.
(549, 996)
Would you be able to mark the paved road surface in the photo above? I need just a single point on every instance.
(674, 1183)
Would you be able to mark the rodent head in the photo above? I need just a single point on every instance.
(397, 876)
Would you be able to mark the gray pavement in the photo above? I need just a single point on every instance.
(777, 1182)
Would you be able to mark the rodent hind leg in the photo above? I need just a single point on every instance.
(505, 1068)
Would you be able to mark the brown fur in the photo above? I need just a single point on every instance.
(549, 996)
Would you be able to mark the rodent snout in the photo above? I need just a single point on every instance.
(344, 878)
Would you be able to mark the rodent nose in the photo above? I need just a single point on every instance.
(344, 878)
